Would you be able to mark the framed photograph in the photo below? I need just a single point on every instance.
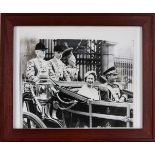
(77, 77)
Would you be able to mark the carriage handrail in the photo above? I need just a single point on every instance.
(106, 116)
(111, 104)
(71, 102)
(70, 93)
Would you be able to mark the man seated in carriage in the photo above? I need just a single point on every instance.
(110, 89)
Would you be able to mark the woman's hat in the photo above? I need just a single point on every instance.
(90, 72)
(67, 52)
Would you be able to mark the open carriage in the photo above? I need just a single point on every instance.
(73, 110)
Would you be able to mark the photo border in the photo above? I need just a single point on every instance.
(7, 133)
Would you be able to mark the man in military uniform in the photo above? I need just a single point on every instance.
(71, 68)
(111, 87)
(112, 91)
(37, 66)
(58, 66)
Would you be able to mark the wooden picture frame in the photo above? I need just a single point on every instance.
(8, 21)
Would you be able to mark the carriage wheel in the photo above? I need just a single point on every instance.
(32, 121)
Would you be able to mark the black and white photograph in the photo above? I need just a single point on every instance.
(77, 77)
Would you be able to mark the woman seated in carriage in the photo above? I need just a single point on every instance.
(88, 90)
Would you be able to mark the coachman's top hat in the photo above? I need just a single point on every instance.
(58, 48)
(40, 46)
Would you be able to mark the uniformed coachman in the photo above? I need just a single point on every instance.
(38, 66)
(58, 67)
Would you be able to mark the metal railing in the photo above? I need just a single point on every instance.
(124, 67)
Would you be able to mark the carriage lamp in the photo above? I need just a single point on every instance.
(43, 85)
(43, 94)
(44, 91)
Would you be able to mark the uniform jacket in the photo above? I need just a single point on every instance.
(34, 68)
(112, 92)
(59, 69)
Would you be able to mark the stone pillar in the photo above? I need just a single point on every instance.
(107, 55)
